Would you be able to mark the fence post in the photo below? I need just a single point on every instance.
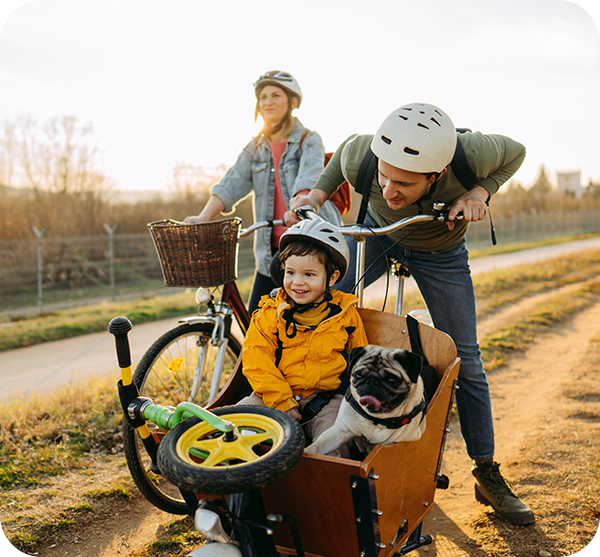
(111, 256)
(39, 265)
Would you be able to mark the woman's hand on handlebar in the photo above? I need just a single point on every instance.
(471, 205)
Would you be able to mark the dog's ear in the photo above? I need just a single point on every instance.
(411, 362)
(355, 354)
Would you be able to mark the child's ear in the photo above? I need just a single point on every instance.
(334, 277)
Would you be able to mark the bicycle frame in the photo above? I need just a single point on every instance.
(219, 316)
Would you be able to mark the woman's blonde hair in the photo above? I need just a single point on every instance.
(287, 124)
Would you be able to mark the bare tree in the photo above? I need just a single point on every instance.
(59, 157)
(54, 165)
(188, 180)
(7, 153)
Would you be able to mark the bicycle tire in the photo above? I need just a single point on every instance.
(147, 377)
(267, 444)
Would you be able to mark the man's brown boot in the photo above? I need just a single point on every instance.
(493, 490)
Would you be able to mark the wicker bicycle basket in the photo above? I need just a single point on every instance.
(193, 255)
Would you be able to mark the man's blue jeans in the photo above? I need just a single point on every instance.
(444, 279)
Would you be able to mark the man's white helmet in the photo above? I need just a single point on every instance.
(323, 235)
(417, 137)
(281, 79)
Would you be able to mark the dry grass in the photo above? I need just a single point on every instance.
(516, 337)
(70, 323)
(44, 436)
(507, 286)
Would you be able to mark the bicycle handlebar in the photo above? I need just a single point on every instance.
(262, 224)
(440, 213)
(357, 230)
(241, 234)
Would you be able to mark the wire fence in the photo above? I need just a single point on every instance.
(533, 227)
(56, 268)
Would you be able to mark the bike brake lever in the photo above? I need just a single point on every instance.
(306, 212)
(441, 213)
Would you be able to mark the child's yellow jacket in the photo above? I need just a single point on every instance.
(282, 365)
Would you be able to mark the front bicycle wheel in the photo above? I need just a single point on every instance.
(169, 373)
(265, 444)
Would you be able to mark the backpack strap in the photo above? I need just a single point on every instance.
(364, 178)
(463, 171)
(303, 138)
(461, 168)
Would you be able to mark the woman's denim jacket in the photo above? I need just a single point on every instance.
(254, 171)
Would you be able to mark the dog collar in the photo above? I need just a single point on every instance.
(390, 423)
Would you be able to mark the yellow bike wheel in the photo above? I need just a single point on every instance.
(264, 445)
(166, 375)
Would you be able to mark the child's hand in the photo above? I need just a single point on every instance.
(294, 413)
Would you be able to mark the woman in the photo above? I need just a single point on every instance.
(285, 159)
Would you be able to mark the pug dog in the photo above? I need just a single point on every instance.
(384, 404)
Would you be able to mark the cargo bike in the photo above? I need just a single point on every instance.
(241, 470)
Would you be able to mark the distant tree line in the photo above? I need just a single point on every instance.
(49, 178)
(542, 196)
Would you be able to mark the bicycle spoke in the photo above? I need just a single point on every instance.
(259, 438)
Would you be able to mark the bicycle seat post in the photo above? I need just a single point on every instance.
(360, 268)
(400, 272)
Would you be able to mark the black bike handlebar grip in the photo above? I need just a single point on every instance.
(119, 327)
(304, 211)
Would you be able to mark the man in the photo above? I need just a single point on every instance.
(414, 147)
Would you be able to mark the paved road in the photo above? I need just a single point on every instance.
(47, 366)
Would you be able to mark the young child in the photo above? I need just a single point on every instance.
(300, 337)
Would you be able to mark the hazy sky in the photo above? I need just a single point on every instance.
(168, 81)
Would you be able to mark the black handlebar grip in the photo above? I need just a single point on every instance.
(119, 327)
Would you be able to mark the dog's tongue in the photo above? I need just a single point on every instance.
(371, 401)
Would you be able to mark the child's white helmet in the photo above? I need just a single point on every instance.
(323, 235)
(417, 137)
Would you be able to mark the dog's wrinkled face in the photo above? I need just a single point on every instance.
(382, 378)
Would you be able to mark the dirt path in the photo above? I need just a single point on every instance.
(547, 415)
(534, 399)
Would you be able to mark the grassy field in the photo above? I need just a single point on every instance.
(22, 330)
(67, 323)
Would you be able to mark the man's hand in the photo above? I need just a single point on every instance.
(315, 199)
(294, 413)
(471, 205)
